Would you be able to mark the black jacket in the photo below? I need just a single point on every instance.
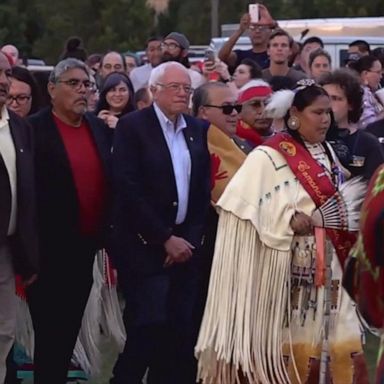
(57, 203)
(145, 194)
(24, 243)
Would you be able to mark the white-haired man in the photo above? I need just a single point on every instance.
(161, 171)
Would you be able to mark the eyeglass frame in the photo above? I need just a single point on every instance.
(378, 72)
(10, 99)
(172, 46)
(237, 107)
(88, 84)
(179, 87)
(261, 28)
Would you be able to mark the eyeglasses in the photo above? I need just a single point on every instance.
(6, 72)
(177, 87)
(262, 28)
(379, 72)
(227, 108)
(20, 99)
(77, 83)
(170, 46)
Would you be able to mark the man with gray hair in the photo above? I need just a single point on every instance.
(72, 149)
(161, 171)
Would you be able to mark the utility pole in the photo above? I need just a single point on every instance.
(215, 18)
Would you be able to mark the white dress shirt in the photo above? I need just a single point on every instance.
(8, 153)
(181, 159)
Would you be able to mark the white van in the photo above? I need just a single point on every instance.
(336, 34)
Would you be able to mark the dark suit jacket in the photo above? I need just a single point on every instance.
(145, 193)
(57, 203)
(377, 129)
(24, 243)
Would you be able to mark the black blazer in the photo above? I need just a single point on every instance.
(24, 243)
(57, 203)
(145, 194)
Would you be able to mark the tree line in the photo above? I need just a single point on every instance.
(39, 28)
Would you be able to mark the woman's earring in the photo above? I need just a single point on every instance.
(293, 123)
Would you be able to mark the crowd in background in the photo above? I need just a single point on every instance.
(232, 96)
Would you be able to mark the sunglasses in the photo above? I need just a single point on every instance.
(227, 109)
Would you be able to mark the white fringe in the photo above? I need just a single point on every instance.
(87, 352)
(24, 327)
(102, 319)
(112, 323)
(242, 329)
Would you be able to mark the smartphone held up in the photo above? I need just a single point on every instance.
(253, 10)
(210, 64)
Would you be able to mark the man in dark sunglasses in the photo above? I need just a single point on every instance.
(253, 125)
(216, 103)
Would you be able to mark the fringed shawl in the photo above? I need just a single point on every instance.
(242, 329)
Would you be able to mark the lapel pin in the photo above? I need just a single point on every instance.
(191, 138)
(21, 150)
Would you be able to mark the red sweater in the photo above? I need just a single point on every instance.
(88, 174)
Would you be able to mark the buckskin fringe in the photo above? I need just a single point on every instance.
(241, 335)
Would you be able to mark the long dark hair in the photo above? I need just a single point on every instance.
(304, 97)
(254, 68)
(111, 81)
(365, 63)
(23, 75)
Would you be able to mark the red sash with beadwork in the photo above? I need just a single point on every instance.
(316, 183)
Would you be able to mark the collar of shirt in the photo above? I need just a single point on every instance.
(4, 117)
(168, 125)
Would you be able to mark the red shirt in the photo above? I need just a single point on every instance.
(88, 174)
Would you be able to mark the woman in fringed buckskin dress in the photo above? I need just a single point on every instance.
(267, 319)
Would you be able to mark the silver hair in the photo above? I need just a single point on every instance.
(64, 66)
(158, 72)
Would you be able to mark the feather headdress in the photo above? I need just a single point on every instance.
(279, 104)
(280, 101)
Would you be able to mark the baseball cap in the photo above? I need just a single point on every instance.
(180, 38)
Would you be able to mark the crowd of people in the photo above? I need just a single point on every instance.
(226, 194)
